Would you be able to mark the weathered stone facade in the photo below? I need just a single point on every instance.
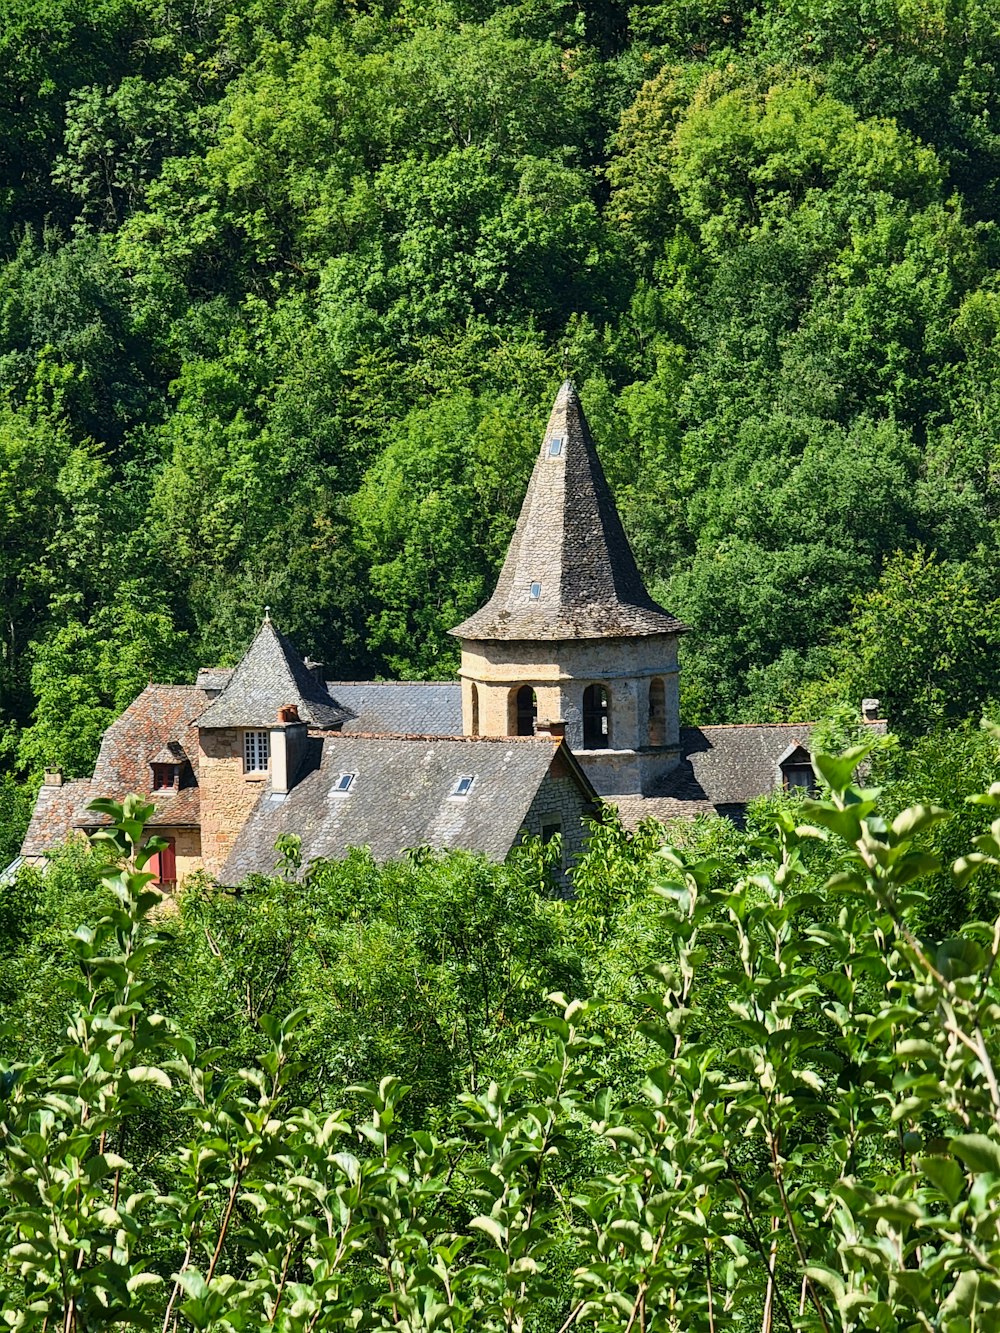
(641, 748)
(228, 794)
(556, 806)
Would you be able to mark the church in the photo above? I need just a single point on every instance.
(567, 699)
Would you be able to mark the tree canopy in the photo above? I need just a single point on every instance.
(286, 290)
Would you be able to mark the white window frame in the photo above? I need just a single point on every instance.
(256, 747)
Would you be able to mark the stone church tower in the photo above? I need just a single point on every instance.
(571, 638)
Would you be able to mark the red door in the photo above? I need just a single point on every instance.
(164, 866)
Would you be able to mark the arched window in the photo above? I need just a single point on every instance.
(475, 709)
(522, 712)
(657, 713)
(596, 718)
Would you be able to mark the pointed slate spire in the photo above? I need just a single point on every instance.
(569, 572)
(269, 676)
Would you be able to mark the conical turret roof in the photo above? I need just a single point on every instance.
(269, 676)
(569, 572)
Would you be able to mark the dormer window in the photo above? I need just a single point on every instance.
(167, 769)
(166, 777)
(797, 772)
(256, 751)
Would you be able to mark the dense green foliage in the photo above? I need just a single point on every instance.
(286, 288)
(774, 1103)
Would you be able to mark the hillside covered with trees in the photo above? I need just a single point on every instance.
(286, 289)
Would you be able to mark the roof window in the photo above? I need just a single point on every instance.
(344, 782)
(165, 777)
(535, 592)
(463, 786)
(555, 446)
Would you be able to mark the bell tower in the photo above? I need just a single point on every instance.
(571, 638)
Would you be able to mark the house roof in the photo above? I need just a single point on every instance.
(160, 721)
(402, 797)
(432, 708)
(569, 543)
(53, 815)
(722, 768)
(270, 675)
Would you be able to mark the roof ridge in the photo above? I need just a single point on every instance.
(421, 736)
(452, 684)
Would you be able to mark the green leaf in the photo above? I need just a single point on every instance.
(978, 1152)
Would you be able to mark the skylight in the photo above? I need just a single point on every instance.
(555, 446)
(535, 592)
(463, 786)
(344, 782)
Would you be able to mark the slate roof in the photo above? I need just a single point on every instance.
(402, 797)
(429, 708)
(159, 723)
(270, 675)
(53, 815)
(569, 540)
(722, 768)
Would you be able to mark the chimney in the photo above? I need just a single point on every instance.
(557, 730)
(870, 709)
(317, 670)
(288, 746)
(53, 777)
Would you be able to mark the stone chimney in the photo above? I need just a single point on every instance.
(53, 777)
(870, 709)
(557, 730)
(288, 746)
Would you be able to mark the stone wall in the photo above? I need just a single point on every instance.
(227, 793)
(187, 850)
(560, 800)
(559, 673)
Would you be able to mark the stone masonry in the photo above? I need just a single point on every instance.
(227, 793)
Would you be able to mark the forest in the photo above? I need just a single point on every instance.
(287, 286)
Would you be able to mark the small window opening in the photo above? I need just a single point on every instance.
(475, 709)
(797, 772)
(463, 786)
(344, 782)
(165, 777)
(799, 777)
(535, 592)
(551, 829)
(256, 751)
(555, 446)
(657, 713)
(596, 718)
(525, 710)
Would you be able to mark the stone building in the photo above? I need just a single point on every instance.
(571, 639)
(568, 690)
(265, 749)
